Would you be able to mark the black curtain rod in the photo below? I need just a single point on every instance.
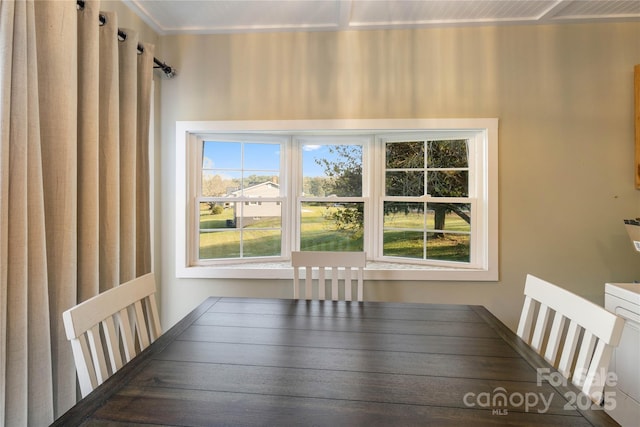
(166, 69)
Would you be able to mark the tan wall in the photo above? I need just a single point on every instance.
(564, 97)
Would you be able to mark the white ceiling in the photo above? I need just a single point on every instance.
(235, 16)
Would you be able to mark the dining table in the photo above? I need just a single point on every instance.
(283, 362)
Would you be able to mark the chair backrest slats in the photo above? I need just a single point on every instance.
(589, 339)
(569, 349)
(526, 317)
(347, 284)
(308, 281)
(111, 341)
(141, 325)
(86, 372)
(540, 328)
(152, 309)
(97, 353)
(128, 344)
(342, 267)
(583, 360)
(335, 288)
(104, 328)
(555, 338)
(593, 377)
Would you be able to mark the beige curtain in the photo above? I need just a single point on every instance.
(74, 105)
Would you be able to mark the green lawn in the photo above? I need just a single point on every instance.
(217, 240)
(319, 233)
(262, 238)
(402, 238)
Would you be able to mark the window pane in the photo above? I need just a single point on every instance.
(220, 224)
(402, 243)
(219, 237)
(448, 183)
(405, 155)
(219, 244)
(404, 215)
(449, 216)
(448, 154)
(216, 215)
(449, 247)
(221, 155)
(239, 168)
(403, 234)
(313, 186)
(261, 243)
(261, 186)
(217, 183)
(261, 157)
(261, 215)
(332, 227)
(401, 183)
(332, 170)
(404, 225)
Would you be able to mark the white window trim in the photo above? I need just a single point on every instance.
(359, 139)
(474, 196)
(188, 131)
(283, 179)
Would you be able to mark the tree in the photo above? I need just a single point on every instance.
(451, 183)
(214, 185)
(405, 162)
(344, 179)
(345, 172)
(313, 186)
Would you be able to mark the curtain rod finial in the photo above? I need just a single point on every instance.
(169, 72)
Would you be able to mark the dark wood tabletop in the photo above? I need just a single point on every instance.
(269, 362)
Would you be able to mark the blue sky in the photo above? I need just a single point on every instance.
(309, 154)
(259, 157)
(228, 155)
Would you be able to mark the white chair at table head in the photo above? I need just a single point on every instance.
(334, 269)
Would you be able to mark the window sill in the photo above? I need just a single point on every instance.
(373, 271)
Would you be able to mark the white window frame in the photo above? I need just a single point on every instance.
(298, 198)
(485, 220)
(476, 185)
(193, 250)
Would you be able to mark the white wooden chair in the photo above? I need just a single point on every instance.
(103, 329)
(573, 317)
(344, 267)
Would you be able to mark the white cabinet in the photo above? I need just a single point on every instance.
(623, 299)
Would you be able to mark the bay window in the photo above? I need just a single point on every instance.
(418, 196)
